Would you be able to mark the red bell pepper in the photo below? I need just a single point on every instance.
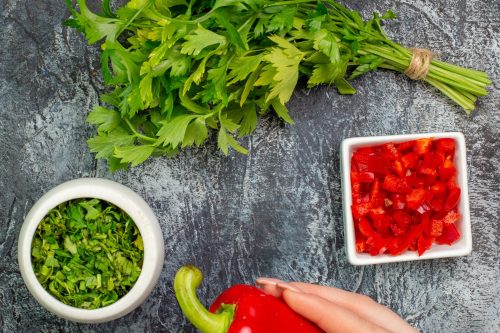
(238, 309)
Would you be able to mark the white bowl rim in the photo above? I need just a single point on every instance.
(436, 251)
(138, 210)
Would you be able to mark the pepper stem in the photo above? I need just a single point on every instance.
(187, 279)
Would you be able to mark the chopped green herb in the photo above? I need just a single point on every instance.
(87, 253)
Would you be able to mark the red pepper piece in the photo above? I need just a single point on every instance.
(437, 203)
(415, 198)
(422, 146)
(452, 199)
(390, 150)
(445, 145)
(377, 245)
(238, 309)
(361, 246)
(404, 146)
(428, 166)
(436, 228)
(451, 184)
(449, 236)
(365, 227)
(438, 188)
(365, 150)
(395, 184)
(409, 241)
(354, 166)
(410, 161)
(371, 163)
(362, 177)
(376, 197)
(381, 223)
(356, 192)
(398, 168)
(397, 230)
(424, 244)
(447, 170)
(402, 218)
(398, 201)
(360, 210)
(451, 217)
(395, 246)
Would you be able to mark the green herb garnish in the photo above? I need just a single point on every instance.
(87, 253)
(179, 68)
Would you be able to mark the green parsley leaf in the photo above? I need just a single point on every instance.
(200, 39)
(172, 132)
(104, 144)
(106, 119)
(225, 140)
(133, 154)
(196, 133)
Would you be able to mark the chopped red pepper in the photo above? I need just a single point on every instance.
(415, 198)
(371, 163)
(422, 146)
(436, 228)
(449, 236)
(360, 210)
(447, 170)
(376, 198)
(395, 184)
(405, 146)
(438, 188)
(445, 145)
(405, 196)
(398, 201)
(398, 168)
(452, 199)
(402, 218)
(424, 244)
(451, 217)
(362, 177)
(410, 161)
(365, 227)
(390, 150)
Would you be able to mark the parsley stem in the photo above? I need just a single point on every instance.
(287, 3)
(122, 29)
(137, 134)
(455, 95)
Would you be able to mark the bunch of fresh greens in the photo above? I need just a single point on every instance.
(178, 68)
(87, 253)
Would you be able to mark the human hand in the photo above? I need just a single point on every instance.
(336, 310)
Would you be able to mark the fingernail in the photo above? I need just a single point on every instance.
(284, 285)
(264, 281)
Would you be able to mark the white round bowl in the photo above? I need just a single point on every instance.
(135, 207)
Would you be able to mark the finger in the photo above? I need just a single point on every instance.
(329, 316)
(270, 286)
(362, 305)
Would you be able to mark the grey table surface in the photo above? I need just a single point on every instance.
(275, 212)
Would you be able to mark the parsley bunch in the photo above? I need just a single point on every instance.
(178, 68)
(87, 253)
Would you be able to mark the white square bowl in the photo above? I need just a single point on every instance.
(462, 247)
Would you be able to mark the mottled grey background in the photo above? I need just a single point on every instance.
(275, 212)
